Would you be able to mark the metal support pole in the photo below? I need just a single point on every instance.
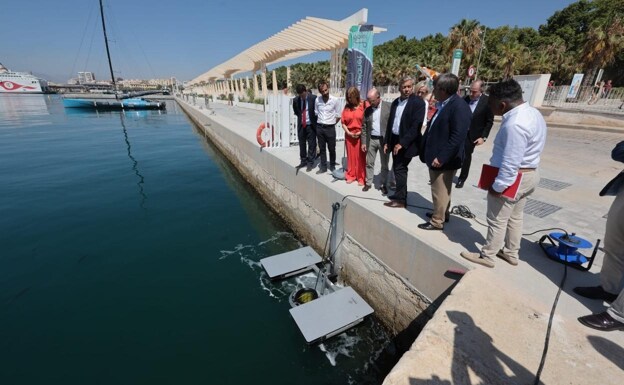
(480, 50)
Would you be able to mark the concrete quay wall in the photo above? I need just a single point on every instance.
(398, 274)
(491, 328)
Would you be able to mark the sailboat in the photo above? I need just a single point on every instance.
(121, 101)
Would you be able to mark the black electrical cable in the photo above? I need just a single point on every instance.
(542, 230)
(550, 321)
(464, 212)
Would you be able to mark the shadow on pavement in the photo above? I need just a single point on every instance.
(610, 350)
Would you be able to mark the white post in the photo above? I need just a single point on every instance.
(264, 82)
(284, 116)
(255, 84)
(274, 80)
(335, 74)
(288, 83)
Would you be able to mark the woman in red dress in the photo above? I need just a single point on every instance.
(352, 118)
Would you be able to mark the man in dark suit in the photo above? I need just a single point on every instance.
(612, 272)
(407, 113)
(443, 146)
(303, 106)
(373, 132)
(480, 126)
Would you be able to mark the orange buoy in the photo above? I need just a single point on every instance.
(259, 134)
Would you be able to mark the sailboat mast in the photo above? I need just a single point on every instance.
(110, 63)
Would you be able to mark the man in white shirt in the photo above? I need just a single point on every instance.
(327, 110)
(373, 133)
(517, 148)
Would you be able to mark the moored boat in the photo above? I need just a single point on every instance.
(112, 104)
(121, 102)
(20, 82)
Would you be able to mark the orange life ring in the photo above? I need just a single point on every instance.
(261, 129)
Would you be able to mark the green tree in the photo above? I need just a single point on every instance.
(511, 56)
(604, 42)
(465, 35)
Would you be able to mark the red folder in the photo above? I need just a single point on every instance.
(489, 173)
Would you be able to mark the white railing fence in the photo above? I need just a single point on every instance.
(280, 116)
(587, 99)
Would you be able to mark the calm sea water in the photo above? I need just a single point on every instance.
(129, 254)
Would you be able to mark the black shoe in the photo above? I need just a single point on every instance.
(309, 168)
(391, 197)
(429, 226)
(459, 184)
(601, 321)
(332, 168)
(366, 188)
(301, 165)
(447, 217)
(384, 190)
(595, 292)
(322, 171)
(395, 204)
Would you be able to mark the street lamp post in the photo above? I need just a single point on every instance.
(480, 50)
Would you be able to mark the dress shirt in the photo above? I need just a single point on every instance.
(327, 113)
(376, 129)
(397, 116)
(304, 105)
(518, 144)
(473, 104)
(439, 107)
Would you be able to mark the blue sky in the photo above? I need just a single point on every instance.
(160, 39)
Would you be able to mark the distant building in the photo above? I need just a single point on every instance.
(86, 77)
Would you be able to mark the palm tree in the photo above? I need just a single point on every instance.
(539, 62)
(562, 63)
(512, 56)
(465, 35)
(603, 43)
(404, 65)
(432, 59)
(382, 70)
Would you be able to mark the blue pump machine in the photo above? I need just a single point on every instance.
(564, 247)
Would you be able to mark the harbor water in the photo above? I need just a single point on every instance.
(129, 254)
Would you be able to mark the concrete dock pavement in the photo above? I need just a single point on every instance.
(491, 328)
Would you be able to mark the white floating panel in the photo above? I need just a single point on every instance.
(330, 314)
(290, 263)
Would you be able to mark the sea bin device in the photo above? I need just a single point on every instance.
(564, 248)
(326, 309)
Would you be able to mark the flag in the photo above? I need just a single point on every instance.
(360, 59)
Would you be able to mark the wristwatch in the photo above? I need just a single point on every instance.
(484, 139)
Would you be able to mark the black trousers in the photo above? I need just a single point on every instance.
(399, 166)
(307, 144)
(326, 135)
(468, 150)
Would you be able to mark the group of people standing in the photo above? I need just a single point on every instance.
(444, 135)
(443, 131)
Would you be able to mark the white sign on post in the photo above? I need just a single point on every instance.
(457, 55)
(574, 87)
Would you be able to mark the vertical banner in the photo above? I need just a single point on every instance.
(574, 87)
(457, 56)
(360, 59)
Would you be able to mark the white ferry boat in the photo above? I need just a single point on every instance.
(20, 82)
